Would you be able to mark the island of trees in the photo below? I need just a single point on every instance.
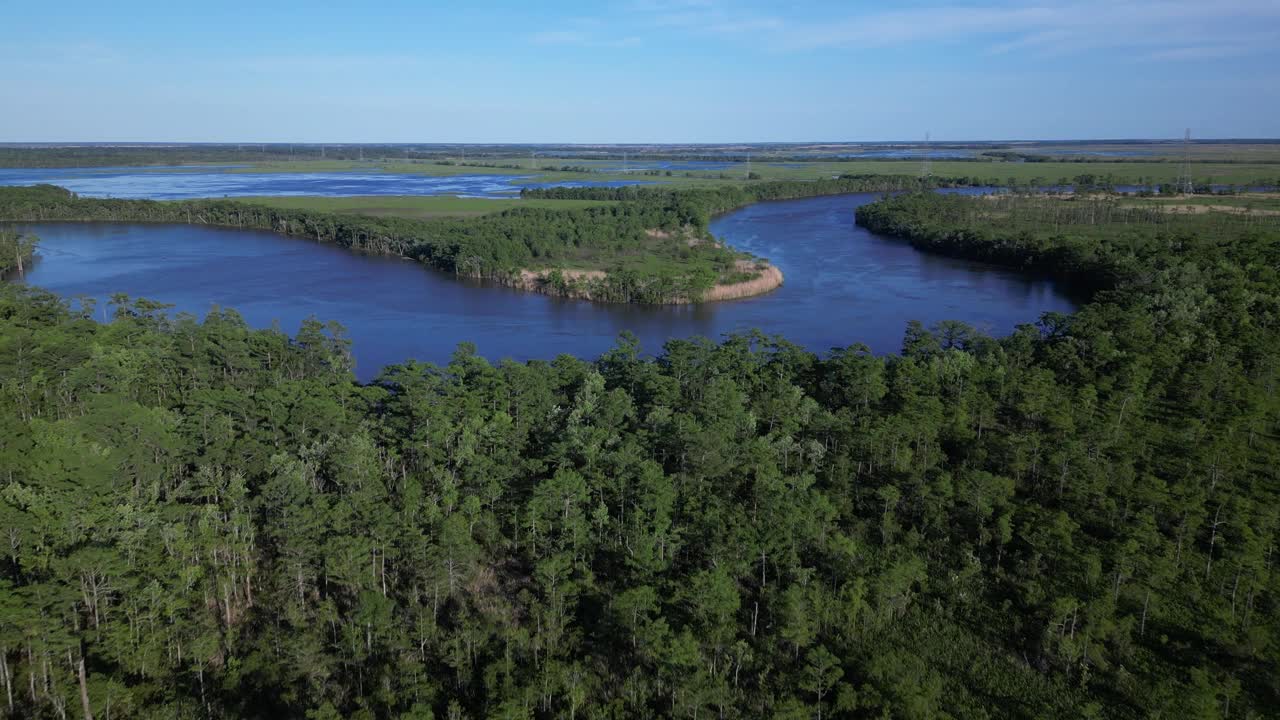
(201, 520)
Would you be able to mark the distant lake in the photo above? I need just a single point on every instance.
(844, 285)
(180, 183)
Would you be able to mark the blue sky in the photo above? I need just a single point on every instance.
(638, 71)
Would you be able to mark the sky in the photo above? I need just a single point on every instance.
(643, 71)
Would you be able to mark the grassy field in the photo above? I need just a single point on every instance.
(1048, 173)
(1260, 203)
(1170, 150)
(415, 206)
(999, 173)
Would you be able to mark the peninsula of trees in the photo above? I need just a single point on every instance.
(649, 246)
(1080, 520)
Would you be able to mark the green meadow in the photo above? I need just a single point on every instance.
(989, 172)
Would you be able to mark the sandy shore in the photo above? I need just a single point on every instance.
(767, 278)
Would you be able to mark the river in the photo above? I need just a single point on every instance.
(843, 285)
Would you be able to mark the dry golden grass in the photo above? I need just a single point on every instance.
(768, 279)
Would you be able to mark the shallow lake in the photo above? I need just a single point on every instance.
(843, 286)
(181, 183)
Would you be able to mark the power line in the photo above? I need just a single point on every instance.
(926, 167)
(1184, 177)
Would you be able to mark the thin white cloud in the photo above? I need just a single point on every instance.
(1171, 29)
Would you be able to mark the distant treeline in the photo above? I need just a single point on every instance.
(99, 156)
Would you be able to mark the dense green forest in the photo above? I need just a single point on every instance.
(1079, 520)
(653, 246)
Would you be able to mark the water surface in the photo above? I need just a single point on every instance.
(843, 286)
(181, 183)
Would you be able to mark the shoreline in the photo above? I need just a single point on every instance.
(578, 284)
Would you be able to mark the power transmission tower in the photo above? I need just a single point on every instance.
(1184, 176)
(748, 175)
(926, 167)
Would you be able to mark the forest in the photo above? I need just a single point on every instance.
(202, 520)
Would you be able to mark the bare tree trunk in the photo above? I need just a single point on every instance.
(8, 678)
(1213, 539)
(84, 690)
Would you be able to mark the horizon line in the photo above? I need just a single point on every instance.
(983, 141)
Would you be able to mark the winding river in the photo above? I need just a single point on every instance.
(844, 285)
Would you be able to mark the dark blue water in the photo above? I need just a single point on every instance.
(177, 183)
(843, 286)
